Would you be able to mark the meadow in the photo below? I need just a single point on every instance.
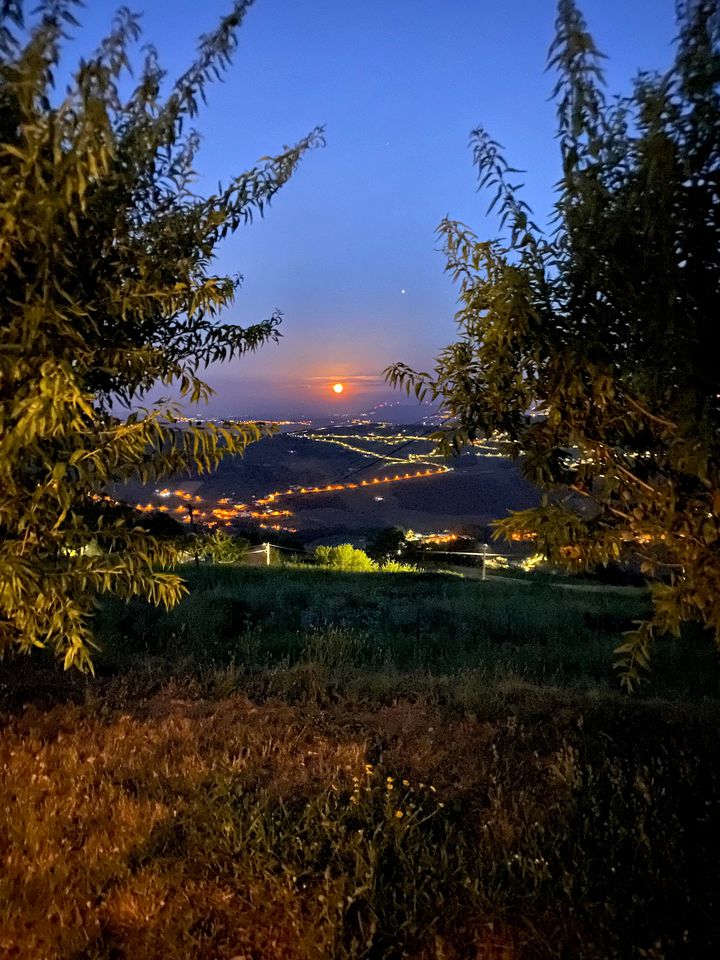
(370, 628)
(302, 764)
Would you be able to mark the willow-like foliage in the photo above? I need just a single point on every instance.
(604, 327)
(106, 289)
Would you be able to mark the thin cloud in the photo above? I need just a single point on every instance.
(353, 378)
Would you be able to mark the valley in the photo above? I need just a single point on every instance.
(347, 478)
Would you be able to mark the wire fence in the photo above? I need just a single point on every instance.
(483, 554)
(265, 549)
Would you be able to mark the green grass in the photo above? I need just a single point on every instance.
(401, 623)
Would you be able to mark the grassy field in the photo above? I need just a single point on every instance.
(375, 627)
(299, 764)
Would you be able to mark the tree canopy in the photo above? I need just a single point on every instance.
(386, 544)
(106, 290)
(589, 346)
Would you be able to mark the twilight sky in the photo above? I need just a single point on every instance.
(348, 250)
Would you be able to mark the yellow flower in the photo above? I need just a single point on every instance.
(433, 788)
(399, 814)
(368, 768)
(390, 780)
(389, 786)
(406, 783)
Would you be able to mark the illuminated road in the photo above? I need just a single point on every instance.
(272, 507)
(480, 448)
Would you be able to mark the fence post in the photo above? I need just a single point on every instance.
(193, 530)
(267, 554)
(483, 562)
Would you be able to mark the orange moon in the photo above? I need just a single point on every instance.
(338, 387)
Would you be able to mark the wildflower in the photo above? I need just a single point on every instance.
(433, 788)
(389, 787)
(368, 768)
(441, 805)
(391, 780)
(399, 814)
(406, 783)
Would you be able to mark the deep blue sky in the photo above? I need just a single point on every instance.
(398, 84)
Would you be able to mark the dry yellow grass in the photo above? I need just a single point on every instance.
(164, 828)
(81, 795)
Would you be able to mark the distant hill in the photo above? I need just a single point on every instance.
(480, 487)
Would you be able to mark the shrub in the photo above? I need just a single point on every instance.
(394, 566)
(345, 557)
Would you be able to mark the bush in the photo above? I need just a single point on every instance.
(394, 566)
(345, 557)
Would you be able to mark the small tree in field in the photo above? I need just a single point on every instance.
(387, 544)
(604, 328)
(220, 547)
(106, 289)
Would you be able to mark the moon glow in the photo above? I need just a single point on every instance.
(338, 387)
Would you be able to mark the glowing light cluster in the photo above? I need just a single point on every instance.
(193, 508)
(440, 538)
